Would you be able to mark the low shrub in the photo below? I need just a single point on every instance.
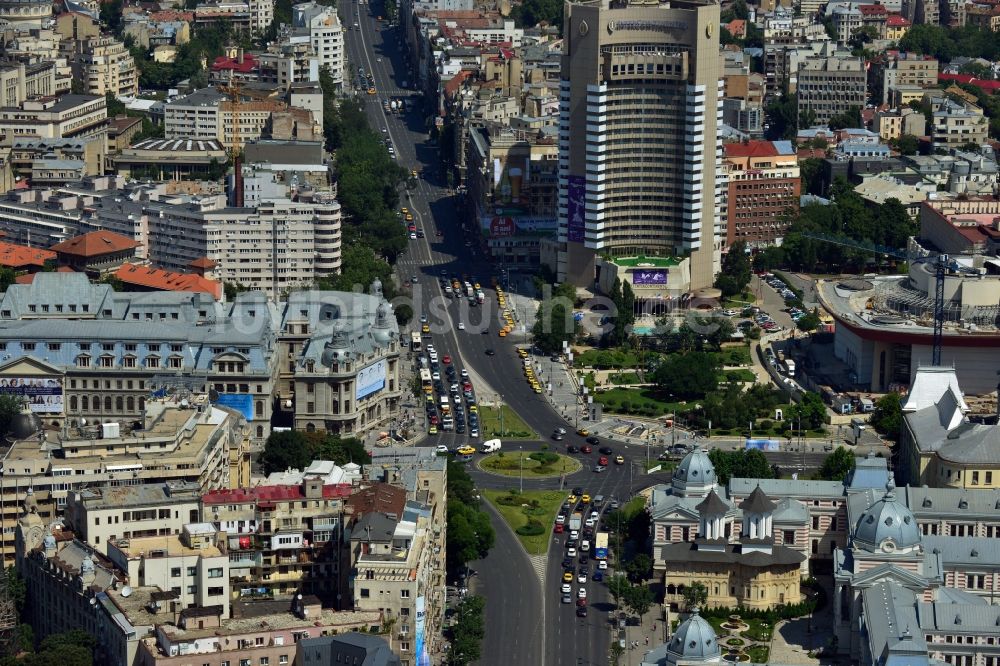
(532, 528)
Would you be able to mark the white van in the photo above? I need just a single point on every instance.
(490, 446)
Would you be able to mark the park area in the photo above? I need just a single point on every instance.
(503, 423)
(529, 514)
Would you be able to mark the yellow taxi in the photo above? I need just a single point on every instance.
(503, 333)
(413, 172)
(425, 329)
(620, 460)
(582, 432)
(409, 217)
(473, 409)
(430, 396)
(404, 210)
(522, 352)
(433, 430)
(571, 499)
(568, 577)
(537, 389)
(466, 450)
(585, 499)
(476, 286)
(371, 91)
(428, 390)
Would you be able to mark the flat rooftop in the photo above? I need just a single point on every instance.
(171, 545)
(647, 262)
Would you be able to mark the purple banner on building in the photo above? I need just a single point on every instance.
(649, 277)
(576, 194)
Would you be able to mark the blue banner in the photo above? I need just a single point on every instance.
(241, 402)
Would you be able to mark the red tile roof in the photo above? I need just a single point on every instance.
(989, 86)
(21, 256)
(737, 27)
(872, 10)
(95, 244)
(456, 82)
(264, 494)
(248, 65)
(203, 262)
(750, 149)
(378, 498)
(896, 21)
(162, 280)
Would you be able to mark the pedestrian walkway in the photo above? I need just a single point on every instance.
(651, 632)
(540, 563)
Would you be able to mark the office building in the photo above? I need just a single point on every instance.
(321, 25)
(764, 189)
(640, 103)
(64, 117)
(830, 83)
(896, 69)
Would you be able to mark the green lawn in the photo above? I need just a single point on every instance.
(514, 426)
(758, 653)
(518, 509)
(543, 464)
(738, 375)
(644, 402)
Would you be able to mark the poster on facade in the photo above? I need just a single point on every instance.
(41, 395)
(510, 182)
(370, 379)
(240, 402)
(649, 277)
(507, 224)
(423, 654)
(576, 196)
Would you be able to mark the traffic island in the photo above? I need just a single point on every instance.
(529, 514)
(529, 464)
(503, 422)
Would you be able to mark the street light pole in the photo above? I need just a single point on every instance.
(520, 470)
(501, 415)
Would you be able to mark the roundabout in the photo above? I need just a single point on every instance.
(529, 464)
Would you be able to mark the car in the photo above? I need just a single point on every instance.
(566, 588)
(581, 611)
(598, 576)
(461, 327)
(413, 236)
(586, 449)
(571, 500)
(600, 468)
(572, 553)
(464, 373)
(583, 432)
(571, 448)
(378, 59)
(567, 598)
(582, 577)
(556, 437)
(602, 565)
(433, 430)
(593, 440)
(594, 514)
(603, 460)
(466, 450)
(614, 506)
(561, 519)
(385, 130)
(473, 431)
(619, 460)
(590, 522)
(606, 450)
(574, 534)
(585, 498)
(558, 528)
(578, 490)
(582, 593)
(489, 352)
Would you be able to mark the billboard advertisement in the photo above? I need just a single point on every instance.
(240, 402)
(42, 395)
(764, 444)
(506, 223)
(649, 277)
(423, 654)
(576, 195)
(371, 378)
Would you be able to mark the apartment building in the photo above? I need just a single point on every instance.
(830, 83)
(105, 66)
(63, 117)
(20, 81)
(100, 514)
(630, 72)
(764, 189)
(90, 152)
(320, 24)
(921, 11)
(192, 443)
(893, 123)
(986, 17)
(896, 69)
(193, 565)
(25, 13)
(896, 27)
(958, 123)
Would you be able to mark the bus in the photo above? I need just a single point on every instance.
(415, 343)
(425, 380)
(601, 546)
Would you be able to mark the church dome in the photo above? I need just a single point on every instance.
(887, 525)
(382, 330)
(694, 640)
(696, 469)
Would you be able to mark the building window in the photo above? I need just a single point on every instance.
(365, 593)
(152, 362)
(175, 362)
(215, 592)
(175, 572)
(404, 594)
(107, 361)
(215, 572)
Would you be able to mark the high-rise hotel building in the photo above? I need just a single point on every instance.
(640, 107)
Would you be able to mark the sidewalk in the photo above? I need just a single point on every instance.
(651, 632)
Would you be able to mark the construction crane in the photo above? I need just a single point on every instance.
(234, 90)
(941, 267)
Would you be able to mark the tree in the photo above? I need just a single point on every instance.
(695, 594)
(742, 463)
(294, 449)
(554, 323)
(809, 321)
(618, 587)
(232, 289)
(468, 631)
(530, 13)
(460, 485)
(811, 169)
(837, 465)
(866, 34)
(638, 567)
(783, 117)
(888, 415)
(850, 118)
(638, 599)
(10, 406)
(470, 535)
(688, 376)
(810, 411)
(907, 144)
(736, 270)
